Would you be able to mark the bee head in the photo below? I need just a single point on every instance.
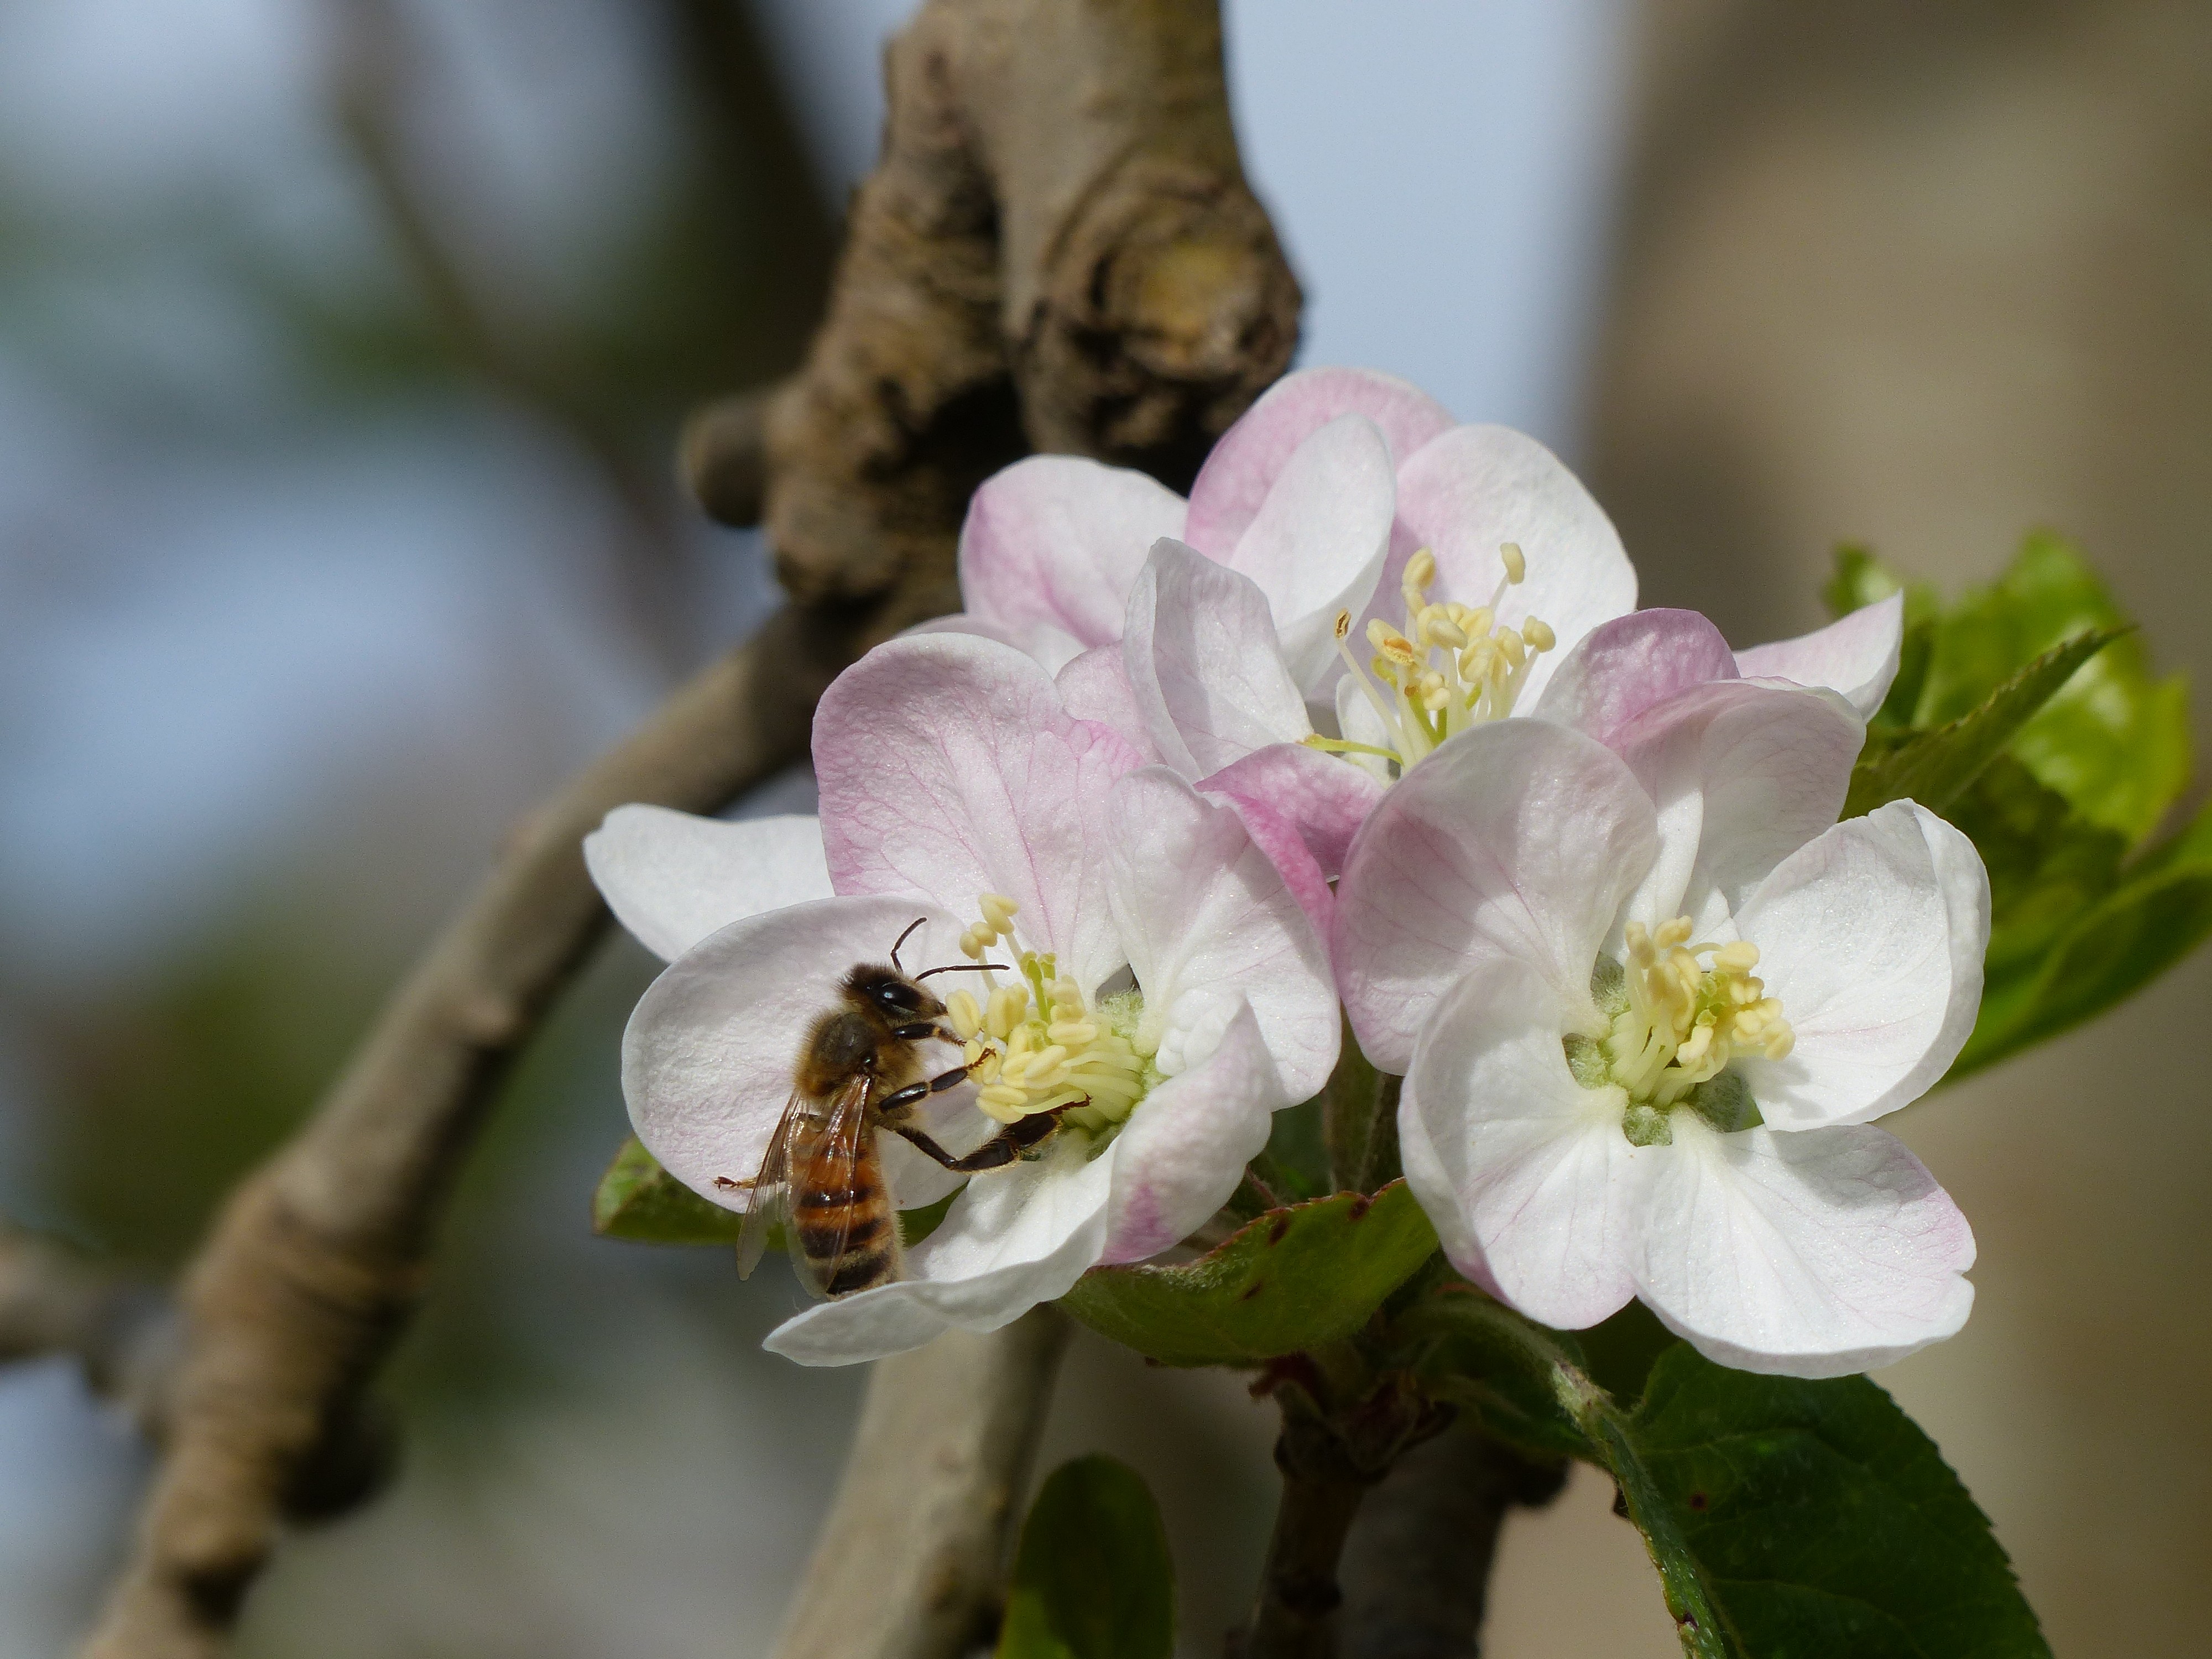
(893, 992)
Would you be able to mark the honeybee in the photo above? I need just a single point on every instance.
(861, 1070)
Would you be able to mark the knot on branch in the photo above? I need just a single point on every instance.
(1058, 251)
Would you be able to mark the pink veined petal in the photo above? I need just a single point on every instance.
(1630, 665)
(1053, 647)
(1202, 663)
(1206, 920)
(1518, 839)
(1287, 850)
(1317, 545)
(1251, 455)
(949, 768)
(708, 1057)
(1743, 775)
(1324, 796)
(1814, 1254)
(1184, 1149)
(1856, 656)
(1056, 540)
(1476, 487)
(673, 879)
(1872, 936)
(1013, 1238)
(1534, 1192)
(1095, 687)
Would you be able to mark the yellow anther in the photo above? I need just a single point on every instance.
(998, 910)
(1740, 957)
(1421, 568)
(1517, 565)
(1475, 662)
(965, 1013)
(1509, 646)
(1479, 621)
(1442, 630)
(1343, 624)
(1539, 635)
(1075, 1033)
(1008, 1004)
(1671, 933)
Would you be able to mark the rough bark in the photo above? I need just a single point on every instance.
(908, 1564)
(1058, 251)
(319, 1257)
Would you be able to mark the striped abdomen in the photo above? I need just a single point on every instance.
(844, 1228)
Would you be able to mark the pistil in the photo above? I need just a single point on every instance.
(1682, 1012)
(1451, 667)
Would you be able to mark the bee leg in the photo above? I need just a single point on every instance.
(1002, 1148)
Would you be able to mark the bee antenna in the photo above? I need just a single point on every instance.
(903, 938)
(964, 968)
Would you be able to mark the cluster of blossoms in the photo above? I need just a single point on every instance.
(1368, 727)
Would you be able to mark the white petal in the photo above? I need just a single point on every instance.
(673, 879)
(1317, 545)
(1204, 918)
(1814, 1254)
(1534, 1189)
(1050, 648)
(1856, 656)
(1203, 665)
(708, 1057)
(949, 767)
(1014, 1238)
(1872, 936)
(1095, 686)
(1055, 541)
(1520, 839)
(1476, 487)
(1184, 1149)
(1358, 721)
(1630, 665)
(1743, 776)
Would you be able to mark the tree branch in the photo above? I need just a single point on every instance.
(317, 1259)
(120, 1331)
(1416, 1569)
(1059, 249)
(908, 1564)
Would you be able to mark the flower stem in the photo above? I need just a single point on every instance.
(1295, 1617)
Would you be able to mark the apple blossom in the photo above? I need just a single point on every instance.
(1554, 941)
(1162, 980)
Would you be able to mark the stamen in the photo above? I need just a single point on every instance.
(1686, 1020)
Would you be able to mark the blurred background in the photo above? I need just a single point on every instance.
(342, 347)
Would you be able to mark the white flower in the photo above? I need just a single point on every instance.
(1646, 1001)
(957, 790)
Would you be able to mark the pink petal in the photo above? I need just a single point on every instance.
(1856, 656)
(1200, 649)
(1184, 1149)
(1288, 851)
(1095, 687)
(1743, 775)
(673, 879)
(1206, 921)
(1052, 647)
(948, 769)
(708, 1057)
(1534, 1192)
(1872, 935)
(1814, 1254)
(1249, 457)
(1476, 487)
(1317, 544)
(1518, 839)
(1056, 540)
(1324, 796)
(1630, 665)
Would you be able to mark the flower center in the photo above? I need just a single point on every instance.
(1035, 1043)
(1450, 668)
(1679, 1014)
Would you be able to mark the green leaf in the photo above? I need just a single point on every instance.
(2047, 866)
(2115, 742)
(1092, 1578)
(1933, 767)
(1823, 1520)
(1305, 1274)
(2160, 912)
(638, 1199)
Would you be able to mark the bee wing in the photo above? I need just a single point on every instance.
(771, 1190)
(835, 1148)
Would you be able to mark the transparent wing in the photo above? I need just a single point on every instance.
(827, 1162)
(771, 1191)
